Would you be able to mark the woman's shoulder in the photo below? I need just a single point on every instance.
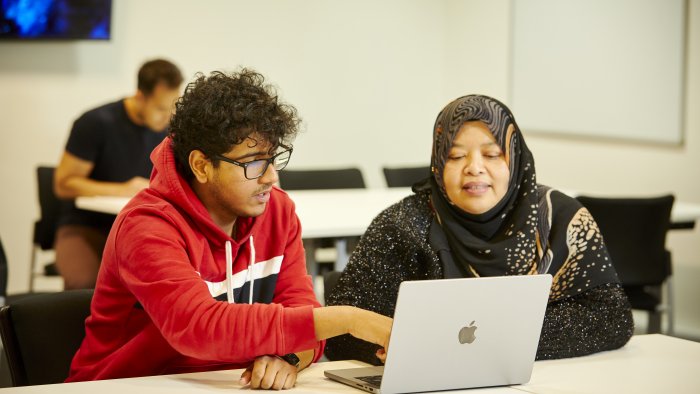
(557, 200)
(416, 205)
(557, 194)
(411, 212)
(561, 208)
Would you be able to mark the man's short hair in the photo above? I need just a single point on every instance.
(158, 71)
(222, 110)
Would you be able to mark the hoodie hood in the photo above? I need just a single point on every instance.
(167, 183)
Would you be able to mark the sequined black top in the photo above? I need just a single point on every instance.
(396, 248)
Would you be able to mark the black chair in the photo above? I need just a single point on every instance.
(345, 178)
(405, 176)
(5, 379)
(3, 275)
(45, 228)
(41, 334)
(634, 230)
(4, 298)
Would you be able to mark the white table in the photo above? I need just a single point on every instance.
(323, 214)
(339, 214)
(684, 215)
(342, 213)
(648, 364)
(346, 212)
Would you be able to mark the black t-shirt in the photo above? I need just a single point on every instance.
(118, 149)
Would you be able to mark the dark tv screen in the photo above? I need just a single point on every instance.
(55, 19)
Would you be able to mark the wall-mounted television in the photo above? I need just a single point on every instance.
(55, 19)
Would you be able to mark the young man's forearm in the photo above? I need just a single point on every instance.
(332, 321)
(305, 358)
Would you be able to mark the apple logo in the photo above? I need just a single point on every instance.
(466, 334)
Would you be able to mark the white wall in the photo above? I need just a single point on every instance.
(368, 77)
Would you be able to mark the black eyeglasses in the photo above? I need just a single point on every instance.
(256, 168)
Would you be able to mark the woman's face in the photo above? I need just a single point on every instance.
(476, 173)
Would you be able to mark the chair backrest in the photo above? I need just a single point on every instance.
(50, 205)
(41, 334)
(405, 176)
(346, 178)
(634, 230)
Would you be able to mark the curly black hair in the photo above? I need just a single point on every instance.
(224, 109)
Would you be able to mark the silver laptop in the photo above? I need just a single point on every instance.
(459, 333)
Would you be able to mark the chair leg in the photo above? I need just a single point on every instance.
(341, 246)
(654, 324)
(669, 307)
(311, 264)
(32, 267)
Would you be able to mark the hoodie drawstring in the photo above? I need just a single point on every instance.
(250, 270)
(229, 272)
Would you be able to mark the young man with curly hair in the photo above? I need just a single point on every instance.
(205, 268)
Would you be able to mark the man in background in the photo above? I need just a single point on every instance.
(107, 153)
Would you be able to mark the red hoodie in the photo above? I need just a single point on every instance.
(162, 302)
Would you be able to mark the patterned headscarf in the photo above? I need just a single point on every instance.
(515, 237)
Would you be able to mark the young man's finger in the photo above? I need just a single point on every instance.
(290, 381)
(280, 378)
(258, 373)
(381, 355)
(245, 377)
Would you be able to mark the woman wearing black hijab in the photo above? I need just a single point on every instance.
(481, 213)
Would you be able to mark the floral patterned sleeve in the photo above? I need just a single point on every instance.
(584, 316)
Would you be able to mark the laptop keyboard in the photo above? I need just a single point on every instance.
(375, 380)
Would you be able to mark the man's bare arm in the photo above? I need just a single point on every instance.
(71, 180)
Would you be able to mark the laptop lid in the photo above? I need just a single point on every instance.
(463, 333)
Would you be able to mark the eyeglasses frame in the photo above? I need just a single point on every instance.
(269, 161)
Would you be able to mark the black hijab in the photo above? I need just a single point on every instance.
(530, 230)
